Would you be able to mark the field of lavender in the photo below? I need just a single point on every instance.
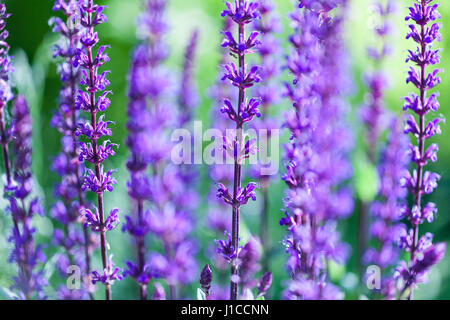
(116, 117)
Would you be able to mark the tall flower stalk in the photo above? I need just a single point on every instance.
(269, 53)
(317, 164)
(26, 254)
(188, 98)
(30, 281)
(78, 247)
(6, 95)
(387, 208)
(151, 116)
(93, 101)
(373, 113)
(138, 186)
(424, 31)
(242, 13)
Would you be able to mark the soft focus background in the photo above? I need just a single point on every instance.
(31, 40)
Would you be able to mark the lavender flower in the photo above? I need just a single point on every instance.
(30, 281)
(162, 207)
(269, 54)
(227, 249)
(424, 30)
(137, 224)
(386, 211)
(188, 96)
(78, 248)
(94, 100)
(317, 155)
(248, 260)
(373, 113)
(242, 13)
(28, 256)
(6, 95)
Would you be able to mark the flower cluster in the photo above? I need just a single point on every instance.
(138, 190)
(424, 31)
(6, 67)
(269, 26)
(387, 209)
(28, 256)
(242, 13)
(6, 95)
(188, 96)
(249, 257)
(161, 202)
(78, 245)
(373, 113)
(95, 83)
(227, 249)
(23, 207)
(317, 164)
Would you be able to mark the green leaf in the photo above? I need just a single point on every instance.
(6, 294)
(200, 294)
(248, 295)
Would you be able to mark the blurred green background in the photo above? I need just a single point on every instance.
(31, 40)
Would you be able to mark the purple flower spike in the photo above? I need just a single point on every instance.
(6, 69)
(67, 120)
(373, 113)
(188, 98)
(317, 156)
(161, 194)
(376, 120)
(242, 13)
(424, 31)
(387, 210)
(30, 281)
(93, 100)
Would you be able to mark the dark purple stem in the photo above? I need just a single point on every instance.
(141, 251)
(421, 141)
(81, 199)
(4, 143)
(103, 247)
(237, 170)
